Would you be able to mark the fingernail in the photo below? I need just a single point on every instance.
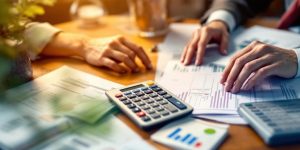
(185, 63)
(234, 89)
(226, 87)
(225, 52)
(150, 66)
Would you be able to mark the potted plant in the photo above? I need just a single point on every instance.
(15, 66)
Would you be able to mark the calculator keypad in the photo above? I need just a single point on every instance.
(150, 102)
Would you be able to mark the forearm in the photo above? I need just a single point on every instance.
(66, 44)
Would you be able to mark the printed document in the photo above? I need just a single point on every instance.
(64, 109)
(202, 89)
(65, 92)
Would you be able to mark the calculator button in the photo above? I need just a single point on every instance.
(136, 109)
(271, 124)
(126, 102)
(145, 88)
(139, 94)
(118, 95)
(163, 102)
(167, 96)
(162, 92)
(153, 95)
(171, 108)
(153, 86)
(131, 96)
(146, 107)
(141, 103)
(136, 100)
(157, 89)
(146, 118)
(145, 97)
(127, 93)
(122, 98)
(164, 113)
(177, 103)
(150, 101)
(140, 114)
(155, 115)
(158, 99)
(150, 111)
(148, 91)
(154, 105)
(131, 106)
(136, 90)
(159, 108)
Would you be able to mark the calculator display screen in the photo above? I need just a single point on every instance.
(132, 88)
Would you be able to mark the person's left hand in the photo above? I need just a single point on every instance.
(111, 51)
(256, 62)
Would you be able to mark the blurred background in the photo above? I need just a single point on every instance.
(178, 9)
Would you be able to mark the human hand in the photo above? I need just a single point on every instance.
(215, 31)
(110, 52)
(256, 62)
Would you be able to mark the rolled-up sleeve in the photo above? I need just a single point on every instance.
(37, 36)
(224, 16)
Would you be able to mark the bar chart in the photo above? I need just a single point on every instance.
(188, 138)
(183, 96)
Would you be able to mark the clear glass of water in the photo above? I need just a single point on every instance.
(87, 13)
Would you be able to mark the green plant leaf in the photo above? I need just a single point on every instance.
(32, 10)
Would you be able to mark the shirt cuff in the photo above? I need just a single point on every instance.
(224, 16)
(297, 51)
(37, 36)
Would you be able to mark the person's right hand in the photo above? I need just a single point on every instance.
(215, 31)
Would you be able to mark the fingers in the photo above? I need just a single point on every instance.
(204, 39)
(240, 64)
(215, 31)
(112, 65)
(191, 48)
(122, 57)
(124, 49)
(260, 75)
(184, 52)
(247, 70)
(139, 51)
(229, 67)
(224, 44)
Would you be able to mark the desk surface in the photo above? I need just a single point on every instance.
(240, 137)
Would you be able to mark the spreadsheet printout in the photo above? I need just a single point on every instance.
(202, 89)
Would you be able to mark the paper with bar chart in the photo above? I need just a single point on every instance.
(201, 88)
(189, 133)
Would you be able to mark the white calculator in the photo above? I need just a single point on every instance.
(148, 104)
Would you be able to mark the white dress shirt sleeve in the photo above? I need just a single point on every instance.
(297, 51)
(224, 16)
(37, 36)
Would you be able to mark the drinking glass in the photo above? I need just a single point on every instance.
(87, 12)
(149, 16)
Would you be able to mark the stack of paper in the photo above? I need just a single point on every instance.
(63, 110)
(199, 85)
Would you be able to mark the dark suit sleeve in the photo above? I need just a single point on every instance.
(240, 9)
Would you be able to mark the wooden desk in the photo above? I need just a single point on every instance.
(240, 137)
